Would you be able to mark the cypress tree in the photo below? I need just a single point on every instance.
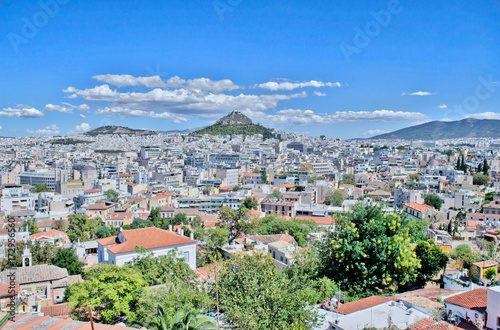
(486, 167)
(480, 167)
(459, 167)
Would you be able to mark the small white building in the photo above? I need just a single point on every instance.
(120, 249)
(493, 308)
(469, 305)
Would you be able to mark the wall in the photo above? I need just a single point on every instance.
(123, 258)
(493, 307)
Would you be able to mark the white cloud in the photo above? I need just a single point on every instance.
(485, 115)
(443, 106)
(21, 111)
(203, 84)
(1, 127)
(307, 117)
(319, 94)
(445, 119)
(125, 80)
(166, 103)
(419, 93)
(83, 116)
(52, 107)
(274, 86)
(83, 127)
(126, 112)
(374, 132)
(47, 130)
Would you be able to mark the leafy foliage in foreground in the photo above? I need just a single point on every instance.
(370, 251)
(255, 295)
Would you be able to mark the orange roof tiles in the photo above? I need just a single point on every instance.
(90, 191)
(474, 300)
(359, 305)
(318, 220)
(418, 207)
(150, 238)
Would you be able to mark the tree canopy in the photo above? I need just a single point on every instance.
(433, 200)
(369, 250)
(255, 295)
(67, 258)
(82, 228)
(480, 179)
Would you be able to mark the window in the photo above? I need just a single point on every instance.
(186, 257)
(498, 322)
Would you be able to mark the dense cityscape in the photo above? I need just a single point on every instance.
(249, 165)
(135, 227)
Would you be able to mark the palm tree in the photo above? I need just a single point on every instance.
(184, 319)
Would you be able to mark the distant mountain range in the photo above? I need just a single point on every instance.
(439, 130)
(119, 130)
(235, 123)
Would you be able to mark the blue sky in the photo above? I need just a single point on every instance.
(340, 68)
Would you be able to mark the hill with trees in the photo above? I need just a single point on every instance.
(235, 123)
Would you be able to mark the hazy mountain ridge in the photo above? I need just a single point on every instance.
(119, 130)
(439, 130)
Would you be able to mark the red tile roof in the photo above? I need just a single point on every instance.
(150, 238)
(359, 305)
(428, 324)
(56, 310)
(418, 207)
(318, 220)
(90, 191)
(474, 300)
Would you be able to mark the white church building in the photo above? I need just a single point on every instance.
(120, 249)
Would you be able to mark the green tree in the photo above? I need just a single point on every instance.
(59, 225)
(479, 168)
(111, 195)
(40, 188)
(215, 238)
(111, 291)
(82, 228)
(490, 274)
(67, 258)
(30, 225)
(103, 232)
(277, 194)
(305, 272)
(155, 217)
(179, 219)
(296, 229)
(191, 319)
(162, 269)
(459, 165)
(263, 175)
(348, 178)
(255, 295)
(235, 221)
(369, 251)
(433, 200)
(417, 230)
(486, 167)
(432, 260)
(334, 198)
(41, 254)
(463, 164)
(480, 179)
(138, 223)
(414, 177)
(465, 254)
(250, 203)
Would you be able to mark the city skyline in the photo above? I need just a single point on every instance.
(347, 70)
